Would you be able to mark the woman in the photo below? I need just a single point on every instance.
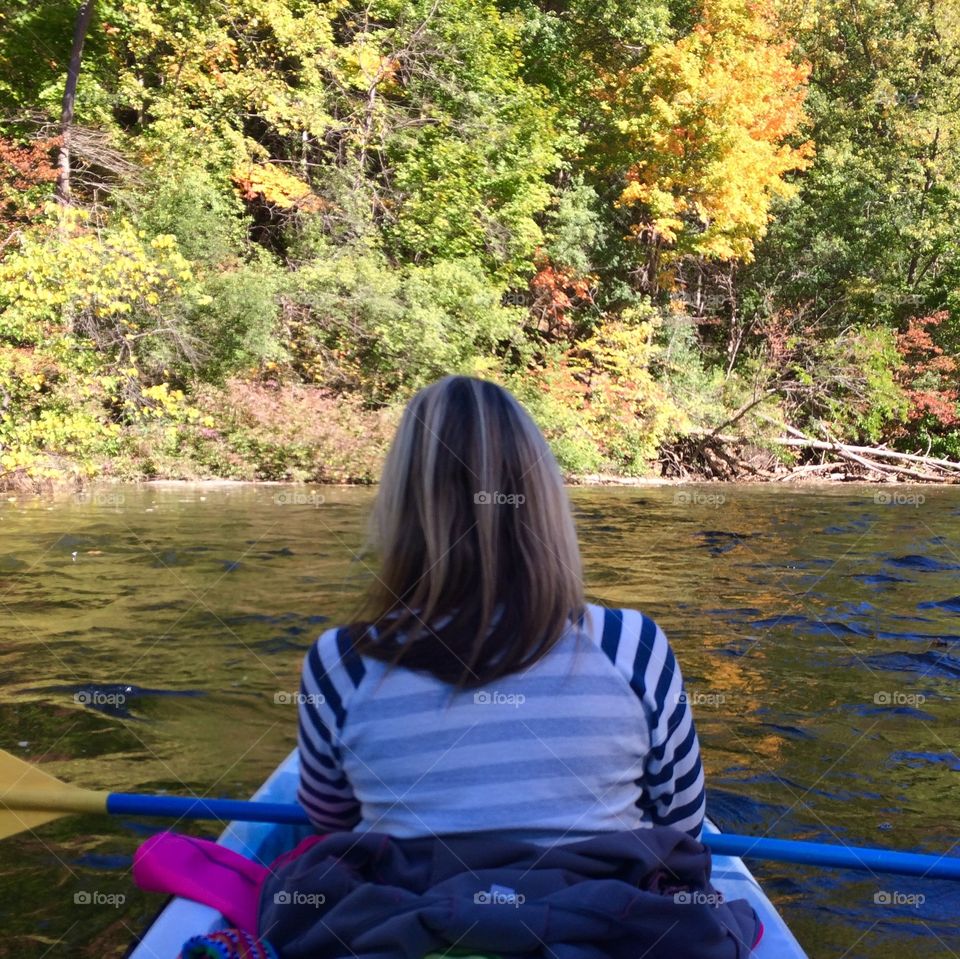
(479, 692)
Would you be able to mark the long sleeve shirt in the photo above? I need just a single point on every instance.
(597, 736)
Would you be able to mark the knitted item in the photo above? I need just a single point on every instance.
(227, 944)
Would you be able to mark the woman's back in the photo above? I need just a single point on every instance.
(462, 698)
(596, 736)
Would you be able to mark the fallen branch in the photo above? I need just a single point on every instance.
(800, 439)
(948, 465)
(925, 469)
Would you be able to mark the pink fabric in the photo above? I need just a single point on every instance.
(203, 871)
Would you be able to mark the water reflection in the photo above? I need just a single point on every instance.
(149, 638)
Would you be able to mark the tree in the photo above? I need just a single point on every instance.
(80, 30)
(706, 124)
(871, 233)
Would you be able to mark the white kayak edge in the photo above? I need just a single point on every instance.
(263, 842)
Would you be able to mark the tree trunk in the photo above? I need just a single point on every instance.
(82, 25)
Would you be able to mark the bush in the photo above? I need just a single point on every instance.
(849, 383)
(554, 399)
(205, 217)
(238, 321)
(288, 432)
(682, 368)
(387, 332)
(53, 421)
(119, 290)
(598, 402)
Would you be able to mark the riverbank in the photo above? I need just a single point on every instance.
(253, 431)
(306, 436)
(57, 489)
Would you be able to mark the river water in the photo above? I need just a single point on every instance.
(151, 637)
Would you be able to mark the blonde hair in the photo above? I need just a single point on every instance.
(479, 566)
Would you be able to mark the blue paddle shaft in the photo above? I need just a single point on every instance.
(186, 807)
(844, 857)
(722, 844)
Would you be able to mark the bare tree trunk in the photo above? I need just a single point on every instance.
(82, 25)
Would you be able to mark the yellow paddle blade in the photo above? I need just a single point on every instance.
(29, 797)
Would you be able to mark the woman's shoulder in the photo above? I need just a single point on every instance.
(632, 641)
(614, 627)
(332, 659)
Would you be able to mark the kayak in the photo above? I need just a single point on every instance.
(182, 918)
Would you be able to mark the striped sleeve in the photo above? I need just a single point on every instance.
(672, 787)
(331, 671)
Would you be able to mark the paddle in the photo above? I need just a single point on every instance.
(30, 797)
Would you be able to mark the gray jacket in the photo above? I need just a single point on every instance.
(618, 895)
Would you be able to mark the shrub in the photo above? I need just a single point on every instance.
(388, 331)
(598, 402)
(113, 286)
(186, 202)
(288, 432)
(53, 420)
(848, 385)
(238, 319)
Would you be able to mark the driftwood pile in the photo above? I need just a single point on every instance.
(723, 456)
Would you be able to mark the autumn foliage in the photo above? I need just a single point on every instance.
(643, 217)
(25, 168)
(557, 291)
(929, 376)
(270, 184)
(709, 118)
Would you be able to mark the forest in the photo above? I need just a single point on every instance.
(236, 235)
